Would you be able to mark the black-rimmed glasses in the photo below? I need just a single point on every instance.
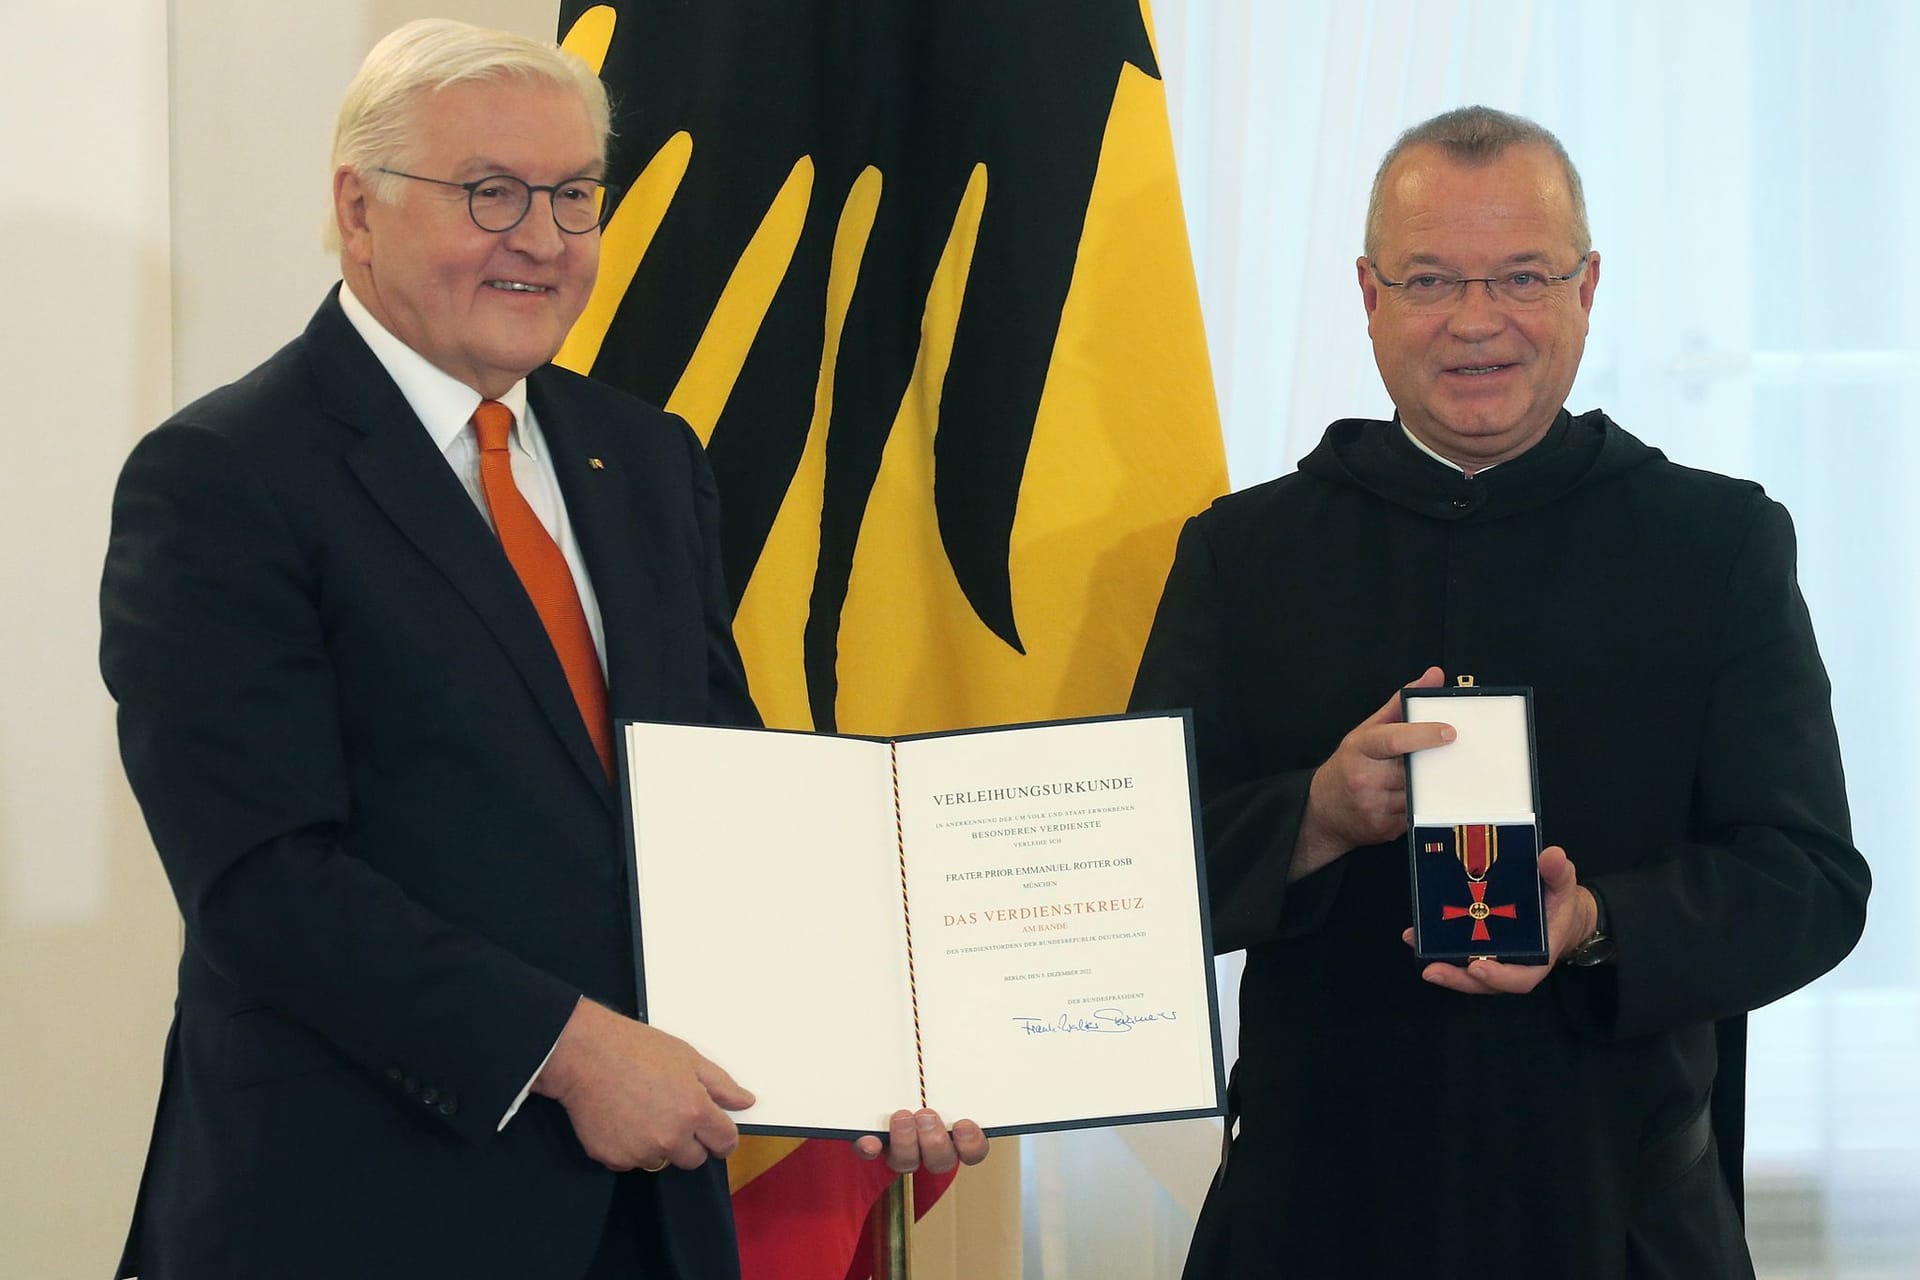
(1441, 290)
(499, 202)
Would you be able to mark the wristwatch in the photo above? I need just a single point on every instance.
(1599, 945)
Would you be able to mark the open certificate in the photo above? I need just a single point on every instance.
(1003, 924)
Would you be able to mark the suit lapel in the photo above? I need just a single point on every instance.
(409, 480)
(612, 520)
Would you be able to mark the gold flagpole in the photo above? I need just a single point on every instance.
(892, 1221)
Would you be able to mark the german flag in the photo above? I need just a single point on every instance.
(917, 274)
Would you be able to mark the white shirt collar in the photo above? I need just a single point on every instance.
(442, 402)
(1421, 445)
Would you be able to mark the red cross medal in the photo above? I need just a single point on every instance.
(1478, 848)
(1478, 911)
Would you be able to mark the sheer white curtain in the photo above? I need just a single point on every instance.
(1750, 169)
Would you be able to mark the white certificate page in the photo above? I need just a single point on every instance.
(1060, 958)
(772, 935)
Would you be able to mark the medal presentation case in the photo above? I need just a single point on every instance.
(1473, 834)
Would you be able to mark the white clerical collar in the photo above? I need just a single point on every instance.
(1421, 445)
(442, 402)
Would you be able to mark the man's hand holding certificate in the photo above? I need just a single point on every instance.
(1006, 924)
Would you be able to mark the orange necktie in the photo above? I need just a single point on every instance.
(543, 572)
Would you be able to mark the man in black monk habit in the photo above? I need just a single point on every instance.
(1577, 1119)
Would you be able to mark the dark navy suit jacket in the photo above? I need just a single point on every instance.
(397, 856)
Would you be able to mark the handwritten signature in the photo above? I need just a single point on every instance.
(1110, 1022)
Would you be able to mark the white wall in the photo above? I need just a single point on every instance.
(87, 937)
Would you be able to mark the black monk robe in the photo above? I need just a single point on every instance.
(1687, 762)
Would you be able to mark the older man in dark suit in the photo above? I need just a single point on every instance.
(369, 614)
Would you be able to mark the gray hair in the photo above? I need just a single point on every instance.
(1475, 136)
(377, 116)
